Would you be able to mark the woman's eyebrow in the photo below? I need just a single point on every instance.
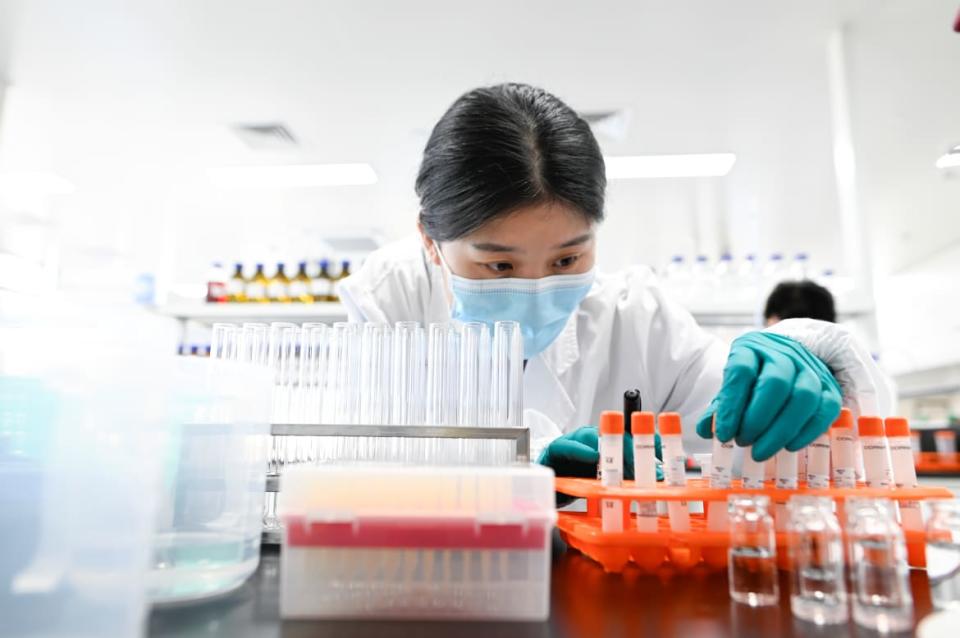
(494, 248)
(582, 239)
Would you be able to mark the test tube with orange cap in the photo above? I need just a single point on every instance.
(818, 462)
(675, 462)
(642, 427)
(897, 430)
(842, 452)
(611, 468)
(876, 458)
(752, 472)
(721, 470)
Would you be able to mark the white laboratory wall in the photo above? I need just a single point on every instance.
(905, 100)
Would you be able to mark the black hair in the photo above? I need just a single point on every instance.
(792, 299)
(500, 148)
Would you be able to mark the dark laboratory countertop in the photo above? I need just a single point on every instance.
(584, 602)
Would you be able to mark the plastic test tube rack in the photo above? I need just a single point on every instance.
(685, 550)
(937, 464)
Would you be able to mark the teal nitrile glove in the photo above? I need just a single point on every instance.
(775, 395)
(577, 453)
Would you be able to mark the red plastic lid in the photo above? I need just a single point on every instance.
(870, 426)
(845, 420)
(611, 422)
(669, 423)
(896, 426)
(642, 423)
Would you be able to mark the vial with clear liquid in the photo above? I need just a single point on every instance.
(752, 565)
(881, 586)
(816, 553)
(943, 554)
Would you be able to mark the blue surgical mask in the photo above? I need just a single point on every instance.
(541, 306)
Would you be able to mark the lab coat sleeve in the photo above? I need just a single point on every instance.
(865, 387)
(683, 363)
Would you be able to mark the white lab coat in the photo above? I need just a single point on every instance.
(626, 334)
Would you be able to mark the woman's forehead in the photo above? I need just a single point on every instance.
(548, 225)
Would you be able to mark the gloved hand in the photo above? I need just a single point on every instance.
(775, 395)
(577, 454)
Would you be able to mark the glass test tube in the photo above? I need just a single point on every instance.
(786, 480)
(611, 468)
(224, 341)
(881, 598)
(374, 373)
(818, 462)
(313, 369)
(943, 554)
(904, 472)
(642, 427)
(441, 360)
(408, 373)
(675, 462)
(752, 557)
(816, 554)
(842, 453)
(254, 343)
(876, 459)
(507, 375)
(282, 356)
(753, 472)
(721, 471)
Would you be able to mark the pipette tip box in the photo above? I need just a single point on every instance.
(427, 543)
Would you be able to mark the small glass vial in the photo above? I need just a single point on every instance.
(752, 556)
(943, 554)
(816, 553)
(878, 557)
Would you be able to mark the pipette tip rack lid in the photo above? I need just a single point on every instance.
(897, 426)
(642, 423)
(611, 422)
(870, 426)
(845, 420)
(669, 423)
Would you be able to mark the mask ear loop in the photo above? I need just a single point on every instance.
(447, 281)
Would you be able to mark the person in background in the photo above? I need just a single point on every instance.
(799, 299)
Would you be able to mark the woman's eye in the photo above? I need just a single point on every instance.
(500, 266)
(566, 262)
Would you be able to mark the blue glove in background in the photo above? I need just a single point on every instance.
(577, 453)
(775, 394)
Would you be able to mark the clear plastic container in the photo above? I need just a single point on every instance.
(752, 563)
(391, 541)
(819, 592)
(83, 428)
(208, 528)
(943, 554)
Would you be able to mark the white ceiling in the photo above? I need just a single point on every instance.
(128, 99)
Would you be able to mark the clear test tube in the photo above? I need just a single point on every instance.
(946, 442)
(611, 468)
(675, 462)
(471, 335)
(897, 430)
(282, 356)
(374, 348)
(721, 473)
(438, 362)
(408, 372)
(254, 343)
(753, 472)
(876, 456)
(818, 462)
(752, 556)
(786, 480)
(507, 374)
(642, 426)
(842, 450)
(313, 354)
(224, 339)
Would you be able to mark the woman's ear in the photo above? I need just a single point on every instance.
(428, 245)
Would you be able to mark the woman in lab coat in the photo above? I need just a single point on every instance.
(511, 191)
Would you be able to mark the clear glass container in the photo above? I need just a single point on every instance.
(943, 554)
(816, 554)
(878, 557)
(752, 560)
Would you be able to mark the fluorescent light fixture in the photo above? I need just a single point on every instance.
(293, 176)
(950, 159)
(34, 183)
(656, 166)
